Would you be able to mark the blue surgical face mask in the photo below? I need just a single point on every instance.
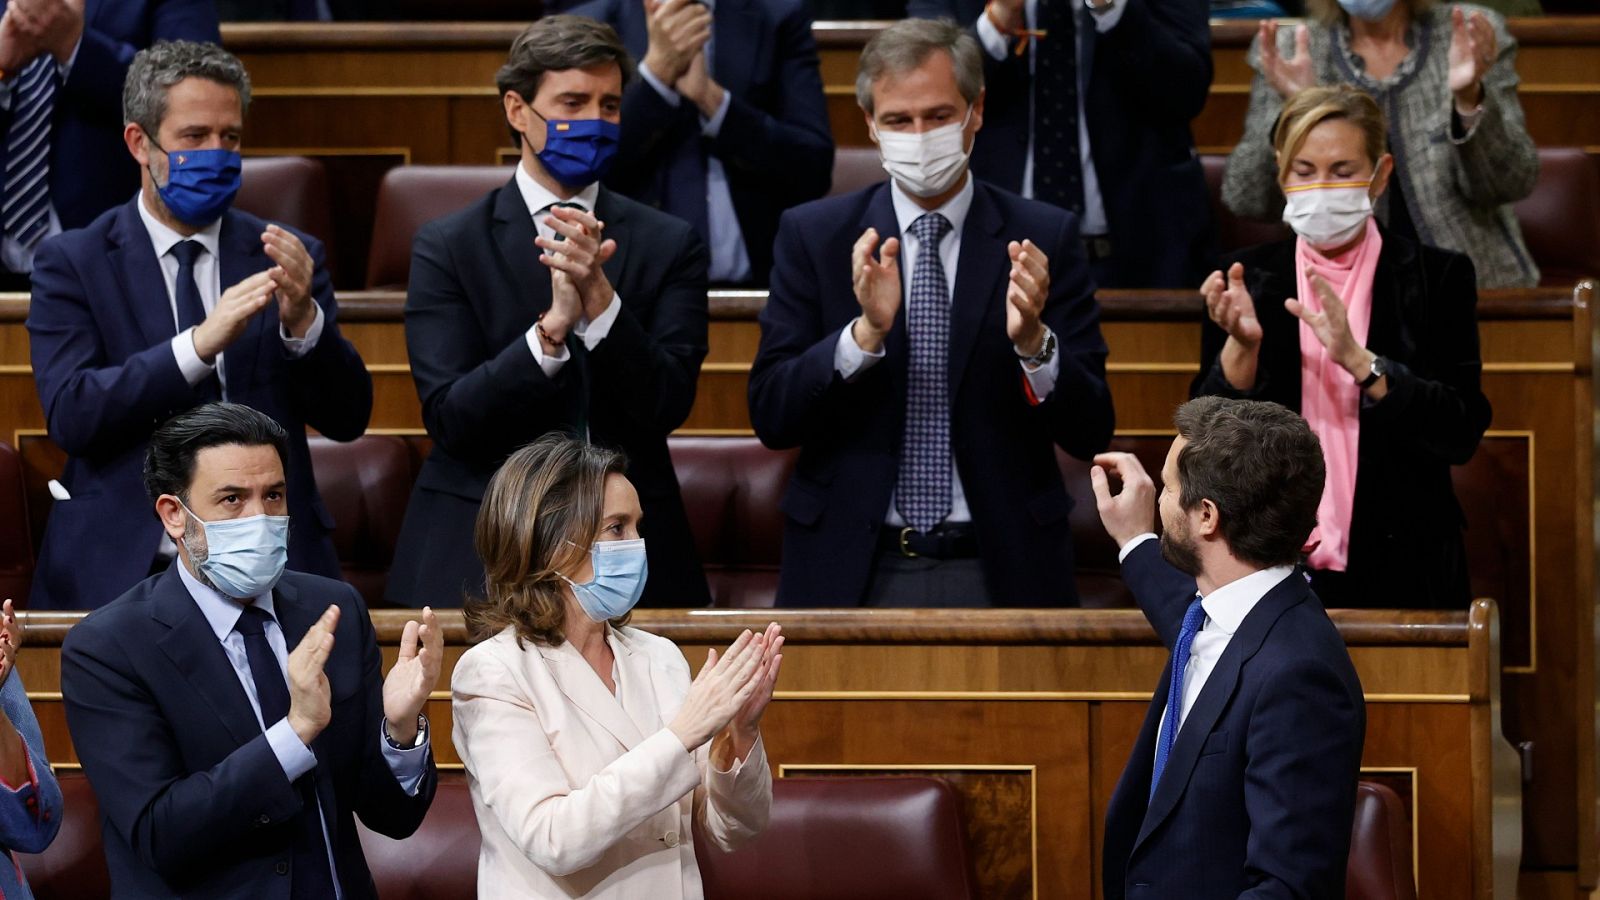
(244, 557)
(1367, 10)
(619, 573)
(578, 152)
(201, 184)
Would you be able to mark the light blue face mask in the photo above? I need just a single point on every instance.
(1367, 10)
(619, 573)
(244, 557)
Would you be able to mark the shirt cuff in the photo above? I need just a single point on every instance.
(552, 364)
(1461, 126)
(732, 772)
(298, 347)
(1042, 379)
(994, 43)
(1105, 20)
(849, 360)
(713, 126)
(409, 764)
(194, 369)
(65, 69)
(1122, 555)
(292, 753)
(667, 92)
(592, 333)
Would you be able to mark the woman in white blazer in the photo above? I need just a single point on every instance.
(589, 751)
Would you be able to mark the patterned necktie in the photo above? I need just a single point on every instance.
(25, 213)
(1057, 168)
(312, 878)
(923, 492)
(1192, 620)
(191, 309)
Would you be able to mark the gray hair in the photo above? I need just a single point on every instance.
(907, 44)
(157, 68)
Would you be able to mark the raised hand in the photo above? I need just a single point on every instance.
(292, 275)
(1025, 296)
(1287, 75)
(310, 698)
(1331, 325)
(11, 635)
(231, 316)
(16, 48)
(723, 687)
(877, 286)
(580, 252)
(678, 29)
(1007, 15)
(1472, 53)
(53, 26)
(748, 719)
(699, 87)
(1228, 303)
(414, 676)
(1130, 512)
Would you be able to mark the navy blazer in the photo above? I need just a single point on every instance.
(89, 165)
(1148, 78)
(775, 143)
(193, 802)
(100, 326)
(850, 432)
(477, 286)
(1260, 789)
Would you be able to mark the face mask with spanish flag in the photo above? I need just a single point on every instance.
(1328, 214)
(578, 152)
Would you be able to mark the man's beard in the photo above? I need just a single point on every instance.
(1180, 550)
(194, 547)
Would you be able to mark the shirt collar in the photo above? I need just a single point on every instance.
(164, 238)
(221, 611)
(1228, 605)
(537, 196)
(955, 209)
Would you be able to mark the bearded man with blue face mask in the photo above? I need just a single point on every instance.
(169, 301)
(553, 304)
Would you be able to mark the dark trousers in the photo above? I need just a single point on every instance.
(912, 582)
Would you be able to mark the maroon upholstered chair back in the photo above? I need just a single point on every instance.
(731, 488)
(1380, 847)
(1094, 552)
(292, 190)
(16, 541)
(830, 837)
(410, 197)
(440, 859)
(1561, 218)
(365, 484)
(1233, 232)
(855, 168)
(73, 867)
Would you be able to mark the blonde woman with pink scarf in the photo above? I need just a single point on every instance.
(1374, 340)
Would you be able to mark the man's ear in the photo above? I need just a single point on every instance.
(138, 143)
(172, 516)
(1210, 524)
(517, 113)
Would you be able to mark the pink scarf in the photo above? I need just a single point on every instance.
(1330, 399)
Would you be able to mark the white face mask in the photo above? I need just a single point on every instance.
(1328, 214)
(925, 164)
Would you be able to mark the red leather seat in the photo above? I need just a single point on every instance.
(365, 484)
(855, 168)
(73, 867)
(292, 190)
(16, 541)
(731, 488)
(1380, 847)
(410, 197)
(829, 837)
(1561, 218)
(1098, 572)
(440, 859)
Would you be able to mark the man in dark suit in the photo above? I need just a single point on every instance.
(1243, 780)
(727, 125)
(169, 301)
(552, 304)
(1090, 105)
(225, 763)
(62, 64)
(927, 471)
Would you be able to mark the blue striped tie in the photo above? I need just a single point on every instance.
(1192, 620)
(25, 213)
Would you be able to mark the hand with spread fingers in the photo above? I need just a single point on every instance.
(310, 698)
(414, 676)
(292, 273)
(1230, 306)
(877, 286)
(1288, 75)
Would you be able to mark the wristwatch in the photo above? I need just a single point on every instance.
(1380, 367)
(1046, 352)
(422, 734)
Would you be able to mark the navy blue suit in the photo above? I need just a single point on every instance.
(193, 802)
(1148, 77)
(850, 432)
(100, 326)
(775, 143)
(90, 169)
(1258, 794)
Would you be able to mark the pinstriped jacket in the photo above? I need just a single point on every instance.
(1458, 185)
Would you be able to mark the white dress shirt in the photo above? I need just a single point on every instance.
(13, 256)
(222, 613)
(539, 199)
(998, 45)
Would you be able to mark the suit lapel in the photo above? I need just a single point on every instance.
(981, 266)
(513, 237)
(133, 258)
(199, 657)
(584, 688)
(615, 217)
(240, 255)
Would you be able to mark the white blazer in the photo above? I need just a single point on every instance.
(576, 799)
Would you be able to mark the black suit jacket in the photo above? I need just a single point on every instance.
(1148, 77)
(775, 143)
(477, 286)
(100, 326)
(192, 800)
(1406, 547)
(849, 433)
(1260, 788)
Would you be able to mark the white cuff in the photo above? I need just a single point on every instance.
(1105, 20)
(713, 126)
(592, 333)
(194, 369)
(1042, 379)
(994, 43)
(849, 360)
(667, 92)
(292, 753)
(298, 347)
(1122, 555)
(65, 69)
(551, 364)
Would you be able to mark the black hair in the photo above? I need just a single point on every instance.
(169, 462)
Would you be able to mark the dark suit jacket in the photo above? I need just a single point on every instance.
(1259, 791)
(476, 288)
(850, 433)
(90, 169)
(1148, 77)
(1406, 547)
(193, 802)
(100, 327)
(775, 143)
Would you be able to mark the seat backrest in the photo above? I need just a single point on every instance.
(1095, 565)
(410, 197)
(1233, 232)
(365, 484)
(1561, 218)
(830, 836)
(439, 859)
(855, 168)
(16, 541)
(74, 865)
(731, 489)
(292, 190)
(1380, 847)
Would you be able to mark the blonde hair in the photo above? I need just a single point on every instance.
(1330, 13)
(1315, 105)
(539, 516)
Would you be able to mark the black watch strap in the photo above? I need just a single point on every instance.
(1379, 369)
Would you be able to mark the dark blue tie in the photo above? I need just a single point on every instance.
(1057, 165)
(312, 879)
(1192, 620)
(922, 493)
(192, 311)
(25, 209)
